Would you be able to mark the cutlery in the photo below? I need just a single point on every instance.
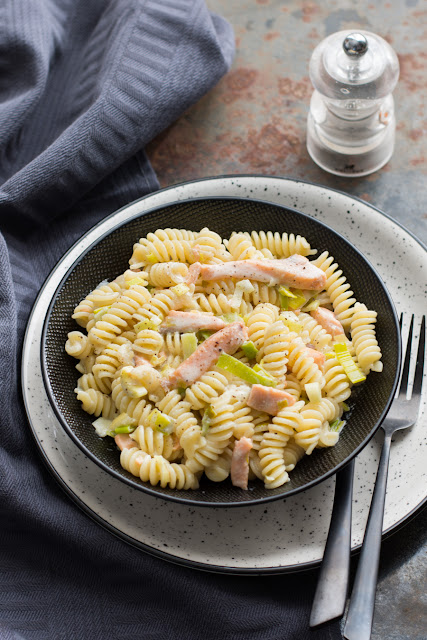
(403, 413)
(331, 591)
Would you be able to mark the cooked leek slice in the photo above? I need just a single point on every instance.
(189, 344)
(336, 425)
(249, 349)
(122, 420)
(289, 319)
(180, 289)
(125, 428)
(160, 422)
(152, 323)
(231, 317)
(133, 387)
(282, 404)
(102, 426)
(313, 391)
(207, 419)
(352, 371)
(311, 304)
(260, 369)
(98, 313)
(203, 335)
(244, 286)
(291, 298)
(242, 371)
(135, 281)
(150, 258)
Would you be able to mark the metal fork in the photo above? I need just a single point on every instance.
(403, 413)
(334, 572)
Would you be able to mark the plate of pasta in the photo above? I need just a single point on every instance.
(221, 351)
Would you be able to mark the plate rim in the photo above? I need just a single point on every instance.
(184, 499)
(396, 526)
(195, 564)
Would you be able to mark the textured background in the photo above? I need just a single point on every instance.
(254, 121)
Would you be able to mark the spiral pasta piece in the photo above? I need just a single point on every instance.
(119, 317)
(103, 296)
(87, 381)
(218, 437)
(274, 352)
(293, 386)
(78, 345)
(211, 385)
(327, 438)
(299, 363)
(292, 454)
(156, 470)
(337, 288)
(242, 249)
(173, 343)
(153, 249)
(106, 366)
(314, 414)
(85, 364)
(280, 246)
(262, 293)
(317, 336)
(136, 408)
(187, 427)
(220, 469)
(158, 307)
(279, 432)
(363, 337)
(242, 418)
(260, 423)
(96, 403)
(156, 443)
(337, 384)
(167, 274)
(83, 313)
(219, 305)
(148, 342)
(258, 320)
(209, 249)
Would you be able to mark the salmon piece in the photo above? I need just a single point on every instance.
(124, 441)
(328, 320)
(228, 340)
(267, 399)
(239, 472)
(193, 273)
(318, 357)
(295, 271)
(184, 321)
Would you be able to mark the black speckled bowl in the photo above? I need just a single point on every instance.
(108, 257)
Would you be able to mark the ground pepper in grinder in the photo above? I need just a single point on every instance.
(351, 124)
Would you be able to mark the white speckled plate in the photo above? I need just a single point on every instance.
(284, 535)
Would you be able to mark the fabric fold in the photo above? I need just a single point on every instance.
(84, 86)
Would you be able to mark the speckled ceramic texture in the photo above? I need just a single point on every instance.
(285, 535)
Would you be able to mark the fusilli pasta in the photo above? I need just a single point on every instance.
(137, 335)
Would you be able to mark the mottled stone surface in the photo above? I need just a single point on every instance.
(254, 121)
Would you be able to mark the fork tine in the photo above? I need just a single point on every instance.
(405, 370)
(418, 378)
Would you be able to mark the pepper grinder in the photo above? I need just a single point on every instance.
(351, 124)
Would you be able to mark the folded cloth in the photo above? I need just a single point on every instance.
(84, 85)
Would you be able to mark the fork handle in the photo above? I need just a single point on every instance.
(331, 591)
(361, 609)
